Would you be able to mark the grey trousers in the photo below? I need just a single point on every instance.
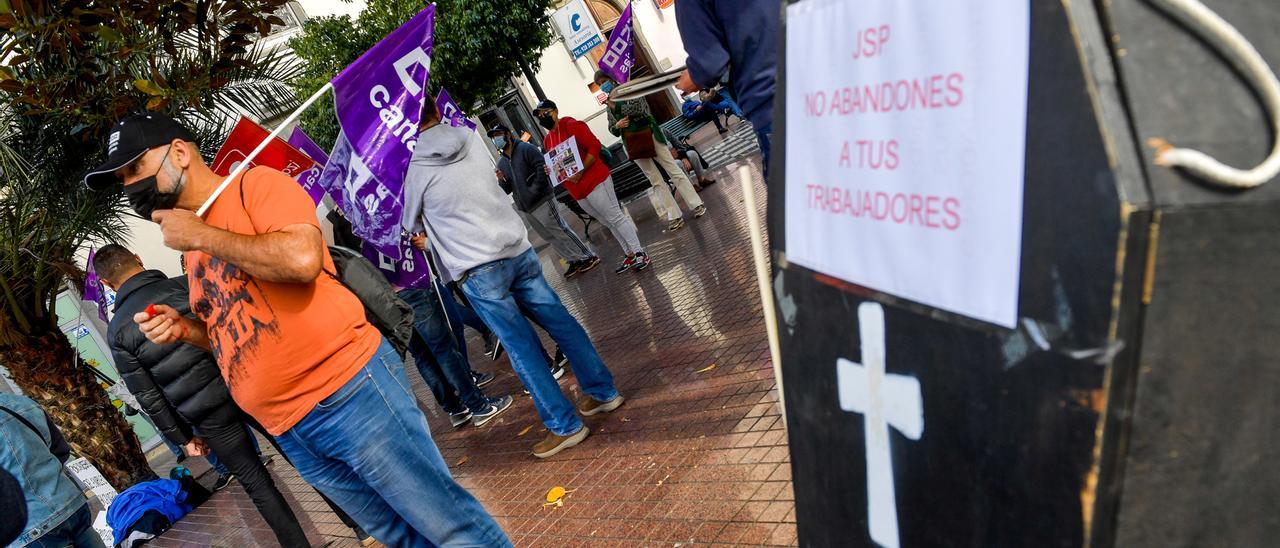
(550, 226)
(603, 204)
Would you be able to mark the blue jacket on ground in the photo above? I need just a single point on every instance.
(35, 458)
(738, 38)
(163, 495)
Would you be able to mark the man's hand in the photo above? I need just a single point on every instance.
(196, 448)
(685, 83)
(624, 123)
(183, 230)
(165, 326)
(499, 175)
(419, 241)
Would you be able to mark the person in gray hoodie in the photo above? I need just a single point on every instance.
(449, 195)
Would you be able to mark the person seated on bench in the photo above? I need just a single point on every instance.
(698, 111)
(719, 100)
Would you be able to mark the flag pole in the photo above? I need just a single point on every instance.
(244, 164)
(760, 255)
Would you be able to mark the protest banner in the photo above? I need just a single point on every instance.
(619, 55)
(451, 113)
(93, 290)
(411, 270)
(310, 179)
(278, 154)
(379, 101)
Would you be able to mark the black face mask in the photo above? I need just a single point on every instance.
(145, 198)
(545, 120)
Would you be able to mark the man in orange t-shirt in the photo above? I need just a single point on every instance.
(292, 342)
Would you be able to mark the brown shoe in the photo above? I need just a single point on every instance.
(553, 444)
(590, 406)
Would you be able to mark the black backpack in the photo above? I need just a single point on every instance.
(383, 308)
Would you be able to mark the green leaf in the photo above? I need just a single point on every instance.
(148, 87)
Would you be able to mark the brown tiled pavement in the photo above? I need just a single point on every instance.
(698, 454)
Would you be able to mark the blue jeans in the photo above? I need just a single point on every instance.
(76, 531)
(435, 352)
(498, 290)
(461, 316)
(762, 135)
(368, 448)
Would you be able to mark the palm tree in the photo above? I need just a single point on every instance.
(73, 68)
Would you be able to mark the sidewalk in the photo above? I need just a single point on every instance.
(698, 454)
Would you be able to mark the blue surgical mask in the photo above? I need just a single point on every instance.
(608, 87)
(500, 142)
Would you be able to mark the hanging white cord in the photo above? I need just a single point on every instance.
(1232, 45)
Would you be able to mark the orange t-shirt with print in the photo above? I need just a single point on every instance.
(282, 347)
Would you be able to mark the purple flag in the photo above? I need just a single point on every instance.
(301, 141)
(310, 179)
(93, 290)
(409, 271)
(620, 54)
(450, 113)
(379, 103)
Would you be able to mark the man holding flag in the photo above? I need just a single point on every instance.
(293, 343)
(450, 195)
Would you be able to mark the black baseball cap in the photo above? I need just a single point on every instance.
(545, 104)
(129, 139)
(498, 130)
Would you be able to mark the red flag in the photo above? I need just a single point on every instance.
(278, 154)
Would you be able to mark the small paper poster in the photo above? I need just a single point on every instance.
(906, 125)
(563, 161)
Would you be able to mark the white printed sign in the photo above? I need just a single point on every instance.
(578, 27)
(92, 479)
(906, 125)
(563, 161)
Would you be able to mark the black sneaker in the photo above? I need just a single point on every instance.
(557, 370)
(626, 265)
(588, 264)
(363, 537)
(496, 407)
(496, 351)
(490, 344)
(575, 268)
(459, 419)
(482, 379)
(223, 481)
(642, 261)
(266, 459)
(561, 359)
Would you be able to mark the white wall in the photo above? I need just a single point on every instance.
(658, 29)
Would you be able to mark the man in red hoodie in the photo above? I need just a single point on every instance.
(593, 186)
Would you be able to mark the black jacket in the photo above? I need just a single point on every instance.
(177, 385)
(526, 177)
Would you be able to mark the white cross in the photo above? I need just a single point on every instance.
(884, 400)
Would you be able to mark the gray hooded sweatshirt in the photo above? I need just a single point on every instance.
(470, 221)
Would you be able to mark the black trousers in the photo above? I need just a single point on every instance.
(230, 442)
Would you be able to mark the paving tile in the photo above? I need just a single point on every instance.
(693, 456)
